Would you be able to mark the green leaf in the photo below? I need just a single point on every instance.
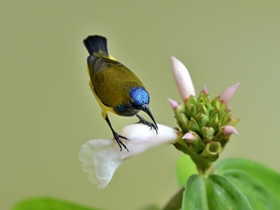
(214, 192)
(46, 203)
(258, 195)
(185, 167)
(194, 196)
(222, 194)
(175, 203)
(269, 178)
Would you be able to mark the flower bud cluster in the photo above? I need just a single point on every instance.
(205, 126)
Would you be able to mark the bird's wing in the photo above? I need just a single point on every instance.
(113, 82)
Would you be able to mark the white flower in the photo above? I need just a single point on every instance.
(101, 157)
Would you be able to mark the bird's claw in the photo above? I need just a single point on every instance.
(120, 143)
(150, 124)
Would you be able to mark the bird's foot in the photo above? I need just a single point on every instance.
(120, 143)
(151, 125)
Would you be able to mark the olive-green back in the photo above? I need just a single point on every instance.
(112, 81)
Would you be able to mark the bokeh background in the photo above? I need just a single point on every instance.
(48, 111)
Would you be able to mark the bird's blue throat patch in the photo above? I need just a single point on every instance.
(139, 95)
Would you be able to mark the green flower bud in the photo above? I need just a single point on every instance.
(202, 119)
(203, 97)
(213, 112)
(214, 122)
(207, 133)
(183, 122)
(211, 151)
(194, 141)
(180, 108)
(224, 117)
(220, 132)
(223, 141)
(201, 108)
(233, 122)
(191, 100)
(216, 103)
(191, 110)
(193, 125)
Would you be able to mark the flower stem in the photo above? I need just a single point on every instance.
(203, 165)
(175, 202)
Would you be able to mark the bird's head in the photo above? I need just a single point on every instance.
(140, 101)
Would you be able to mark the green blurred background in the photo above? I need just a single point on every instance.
(48, 111)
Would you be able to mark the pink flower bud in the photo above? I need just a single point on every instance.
(174, 104)
(189, 136)
(228, 129)
(183, 79)
(228, 93)
(204, 90)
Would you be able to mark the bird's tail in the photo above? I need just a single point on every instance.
(95, 44)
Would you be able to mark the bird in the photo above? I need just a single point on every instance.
(116, 88)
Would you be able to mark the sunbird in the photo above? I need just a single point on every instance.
(116, 88)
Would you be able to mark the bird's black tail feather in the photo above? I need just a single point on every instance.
(96, 43)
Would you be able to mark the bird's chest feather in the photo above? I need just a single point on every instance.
(123, 110)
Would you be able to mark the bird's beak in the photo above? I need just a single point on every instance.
(147, 110)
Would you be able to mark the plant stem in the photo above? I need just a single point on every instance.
(175, 202)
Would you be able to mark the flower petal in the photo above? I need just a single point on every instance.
(143, 138)
(183, 79)
(228, 93)
(101, 157)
